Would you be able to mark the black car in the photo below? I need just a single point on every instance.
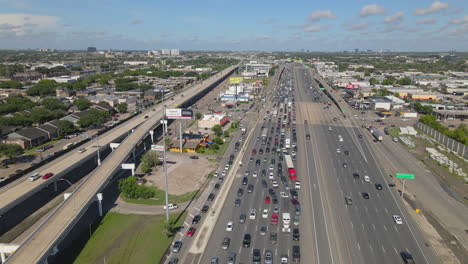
(247, 240)
(256, 257)
(296, 234)
(346, 152)
(205, 208)
(274, 199)
(258, 162)
(296, 253)
(260, 151)
(273, 161)
(273, 237)
(365, 195)
(250, 188)
(356, 175)
(271, 191)
(217, 186)
(378, 186)
(231, 157)
(263, 173)
(240, 192)
(237, 202)
(211, 197)
(293, 193)
(196, 219)
(245, 180)
(194, 157)
(407, 258)
(264, 184)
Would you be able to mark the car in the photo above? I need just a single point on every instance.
(229, 226)
(348, 200)
(345, 165)
(346, 152)
(391, 184)
(264, 184)
(254, 152)
(338, 151)
(407, 257)
(191, 231)
(378, 186)
(254, 174)
(265, 213)
(267, 199)
(217, 186)
(177, 246)
(275, 209)
(34, 176)
(2, 179)
(81, 150)
(284, 195)
(274, 183)
(294, 201)
(284, 259)
(194, 157)
(268, 257)
(274, 199)
(329, 129)
(294, 193)
(247, 240)
(296, 253)
(256, 256)
(214, 260)
(205, 208)
(47, 175)
(242, 218)
(232, 258)
(196, 219)
(271, 167)
(359, 136)
(257, 163)
(226, 242)
(245, 180)
(296, 220)
(308, 136)
(274, 219)
(173, 260)
(223, 173)
(365, 195)
(296, 234)
(211, 197)
(356, 175)
(366, 178)
(273, 237)
(253, 214)
(397, 219)
(240, 192)
(263, 230)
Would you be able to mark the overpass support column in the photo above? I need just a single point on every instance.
(99, 197)
(152, 136)
(3, 256)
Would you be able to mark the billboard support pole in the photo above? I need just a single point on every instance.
(180, 135)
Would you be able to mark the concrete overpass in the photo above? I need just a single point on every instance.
(41, 243)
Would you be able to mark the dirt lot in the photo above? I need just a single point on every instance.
(184, 174)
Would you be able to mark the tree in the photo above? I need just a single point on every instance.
(214, 146)
(122, 107)
(93, 118)
(43, 88)
(82, 103)
(52, 103)
(373, 81)
(11, 84)
(10, 151)
(426, 109)
(366, 73)
(404, 81)
(148, 161)
(198, 115)
(132, 190)
(226, 133)
(168, 142)
(218, 130)
(387, 82)
(235, 124)
(66, 127)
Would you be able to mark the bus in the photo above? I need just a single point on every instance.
(290, 166)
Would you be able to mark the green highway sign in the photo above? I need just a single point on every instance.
(405, 176)
(344, 110)
(322, 88)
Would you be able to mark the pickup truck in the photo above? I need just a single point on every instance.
(171, 206)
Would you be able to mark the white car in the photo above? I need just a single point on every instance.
(34, 176)
(215, 175)
(226, 167)
(271, 167)
(397, 219)
(366, 178)
(271, 176)
(338, 151)
(284, 195)
(297, 185)
(229, 226)
(223, 173)
(252, 214)
(265, 213)
(329, 129)
(254, 174)
(274, 183)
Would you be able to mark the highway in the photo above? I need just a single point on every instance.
(40, 243)
(330, 230)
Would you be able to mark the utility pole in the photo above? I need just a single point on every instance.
(164, 122)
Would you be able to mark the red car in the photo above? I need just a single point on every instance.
(294, 201)
(267, 199)
(191, 231)
(47, 175)
(254, 152)
(274, 219)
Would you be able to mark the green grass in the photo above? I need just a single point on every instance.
(127, 239)
(220, 151)
(160, 198)
(33, 150)
(394, 132)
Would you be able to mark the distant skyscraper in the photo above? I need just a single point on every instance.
(92, 49)
(165, 52)
(356, 50)
(175, 52)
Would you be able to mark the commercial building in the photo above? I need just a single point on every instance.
(209, 121)
(175, 52)
(381, 104)
(255, 70)
(135, 63)
(166, 52)
(92, 49)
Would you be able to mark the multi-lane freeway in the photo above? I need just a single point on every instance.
(329, 228)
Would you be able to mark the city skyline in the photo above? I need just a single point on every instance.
(241, 25)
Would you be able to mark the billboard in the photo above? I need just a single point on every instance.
(352, 86)
(179, 113)
(236, 79)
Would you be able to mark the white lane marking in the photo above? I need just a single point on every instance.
(185, 223)
(384, 227)
(370, 246)
(352, 225)
(376, 210)
(395, 228)
(386, 211)
(191, 215)
(181, 234)
(396, 252)
(358, 246)
(315, 186)
(383, 249)
(373, 226)
(362, 225)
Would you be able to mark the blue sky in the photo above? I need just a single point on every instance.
(332, 25)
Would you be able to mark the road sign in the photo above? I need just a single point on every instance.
(157, 147)
(405, 176)
(236, 79)
(322, 88)
(179, 113)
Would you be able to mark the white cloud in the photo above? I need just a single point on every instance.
(397, 17)
(434, 7)
(458, 21)
(27, 23)
(374, 9)
(358, 26)
(263, 37)
(457, 10)
(426, 21)
(317, 15)
(313, 28)
(460, 31)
